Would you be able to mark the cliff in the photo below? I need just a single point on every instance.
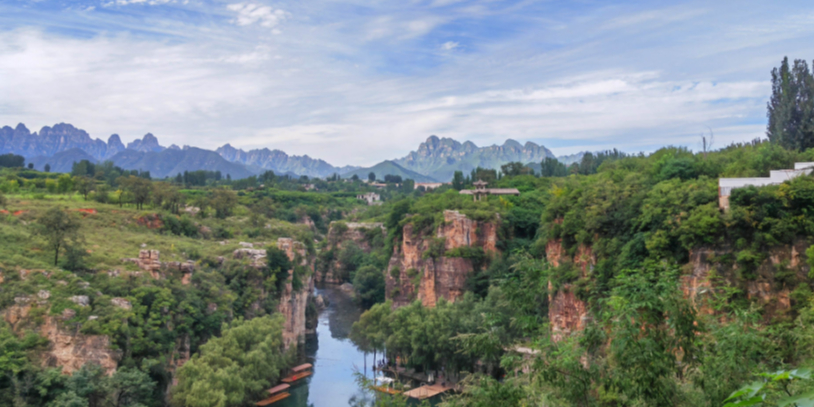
(769, 284)
(339, 235)
(66, 349)
(566, 312)
(413, 273)
(294, 303)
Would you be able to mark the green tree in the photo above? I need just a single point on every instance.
(58, 228)
(551, 167)
(235, 367)
(371, 177)
(47, 168)
(791, 107)
(278, 265)
(138, 187)
(223, 201)
(369, 285)
(83, 185)
(458, 181)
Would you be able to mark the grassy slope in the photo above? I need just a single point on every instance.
(110, 235)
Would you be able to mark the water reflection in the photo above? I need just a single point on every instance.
(333, 355)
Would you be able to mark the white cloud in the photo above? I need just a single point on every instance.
(251, 13)
(449, 45)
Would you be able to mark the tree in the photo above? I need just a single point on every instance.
(371, 177)
(458, 181)
(514, 168)
(30, 166)
(83, 185)
(354, 177)
(139, 188)
(11, 160)
(83, 168)
(278, 265)
(235, 367)
(47, 168)
(223, 201)
(791, 107)
(392, 179)
(551, 167)
(369, 285)
(57, 227)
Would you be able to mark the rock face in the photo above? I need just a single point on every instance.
(338, 236)
(766, 289)
(150, 261)
(70, 351)
(566, 312)
(293, 304)
(53, 140)
(411, 275)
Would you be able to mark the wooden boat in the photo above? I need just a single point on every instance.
(277, 393)
(299, 372)
(385, 385)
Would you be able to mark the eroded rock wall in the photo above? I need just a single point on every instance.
(67, 350)
(411, 275)
(566, 312)
(294, 303)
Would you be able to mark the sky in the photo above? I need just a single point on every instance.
(355, 82)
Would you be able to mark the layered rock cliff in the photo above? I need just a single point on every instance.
(566, 312)
(294, 303)
(66, 349)
(420, 268)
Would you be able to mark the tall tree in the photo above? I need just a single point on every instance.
(372, 176)
(458, 181)
(139, 188)
(57, 227)
(791, 107)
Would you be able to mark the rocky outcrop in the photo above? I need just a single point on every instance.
(769, 285)
(339, 234)
(67, 350)
(566, 312)
(52, 140)
(278, 161)
(150, 261)
(413, 273)
(294, 303)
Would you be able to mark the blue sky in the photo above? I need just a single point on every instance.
(355, 82)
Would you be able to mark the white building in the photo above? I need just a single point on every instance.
(776, 177)
(371, 198)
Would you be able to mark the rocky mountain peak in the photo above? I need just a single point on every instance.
(147, 144)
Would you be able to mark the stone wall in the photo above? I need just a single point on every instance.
(443, 277)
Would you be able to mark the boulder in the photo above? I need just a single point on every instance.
(121, 303)
(44, 294)
(82, 300)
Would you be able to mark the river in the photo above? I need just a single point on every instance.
(334, 356)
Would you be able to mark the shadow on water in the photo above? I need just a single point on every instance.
(334, 356)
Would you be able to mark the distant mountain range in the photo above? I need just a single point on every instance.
(280, 162)
(388, 168)
(436, 159)
(439, 158)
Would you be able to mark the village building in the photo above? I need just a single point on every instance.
(371, 198)
(480, 190)
(429, 185)
(776, 177)
(311, 187)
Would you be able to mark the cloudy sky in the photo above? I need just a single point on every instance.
(355, 82)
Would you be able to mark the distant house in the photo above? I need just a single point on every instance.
(428, 185)
(480, 190)
(378, 185)
(776, 177)
(310, 187)
(371, 198)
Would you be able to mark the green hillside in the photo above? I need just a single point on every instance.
(389, 168)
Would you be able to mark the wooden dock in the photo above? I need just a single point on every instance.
(425, 392)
